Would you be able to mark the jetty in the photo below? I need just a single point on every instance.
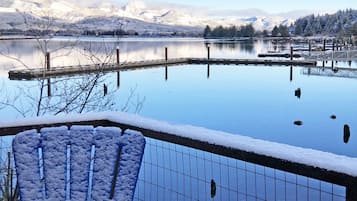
(284, 55)
(38, 73)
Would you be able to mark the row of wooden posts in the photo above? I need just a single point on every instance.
(335, 46)
(48, 57)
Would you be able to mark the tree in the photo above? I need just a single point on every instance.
(265, 33)
(207, 32)
(283, 31)
(275, 31)
(248, 30)
(309, 31)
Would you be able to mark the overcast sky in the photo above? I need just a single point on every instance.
(270, 6)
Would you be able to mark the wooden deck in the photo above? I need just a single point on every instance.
(28, 74)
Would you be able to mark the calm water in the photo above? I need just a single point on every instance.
(257, 101)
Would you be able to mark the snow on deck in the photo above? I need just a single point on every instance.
(310, 157)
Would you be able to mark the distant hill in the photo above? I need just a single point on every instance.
(104, 16)
(343, 22)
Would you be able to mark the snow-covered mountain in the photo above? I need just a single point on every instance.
(135, 15)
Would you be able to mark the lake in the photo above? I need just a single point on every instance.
(300, 106)
(257, 101)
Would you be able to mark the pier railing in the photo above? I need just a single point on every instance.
(343, 55)
(189, 162)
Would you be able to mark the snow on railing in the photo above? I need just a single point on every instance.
(338, 169)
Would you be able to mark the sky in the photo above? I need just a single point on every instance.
(269, 6)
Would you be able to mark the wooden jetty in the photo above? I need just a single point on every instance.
(28, 74)
(284, 55)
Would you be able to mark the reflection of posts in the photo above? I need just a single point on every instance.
(49, 87)
(48, 61)
(208, 71)
(118, 79)
(291, 73)
(166, 73)
(105, 89)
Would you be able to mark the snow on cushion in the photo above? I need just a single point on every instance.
(54, 142)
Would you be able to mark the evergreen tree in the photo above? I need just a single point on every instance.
(207, 32)
(275, 31)
(283, 31)
(265, 33)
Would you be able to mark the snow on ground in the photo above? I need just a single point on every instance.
(315, 158)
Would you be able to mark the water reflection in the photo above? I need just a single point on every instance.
(88, 93)
(77, 51)
(118, 79)
(246, 46)
(208, 71)
(166, 73)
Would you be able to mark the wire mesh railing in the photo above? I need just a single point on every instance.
(174, 172)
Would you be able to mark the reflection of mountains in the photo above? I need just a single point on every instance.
(131, 49)
(246, 46)
(329, 72)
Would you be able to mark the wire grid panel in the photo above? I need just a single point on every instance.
(174, 172)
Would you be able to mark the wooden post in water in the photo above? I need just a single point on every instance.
(324, 45)
(118, 58)
(48, 61)
(291, 53)
(166, 54)
(309, 45)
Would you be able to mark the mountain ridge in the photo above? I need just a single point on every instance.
(148, 20)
